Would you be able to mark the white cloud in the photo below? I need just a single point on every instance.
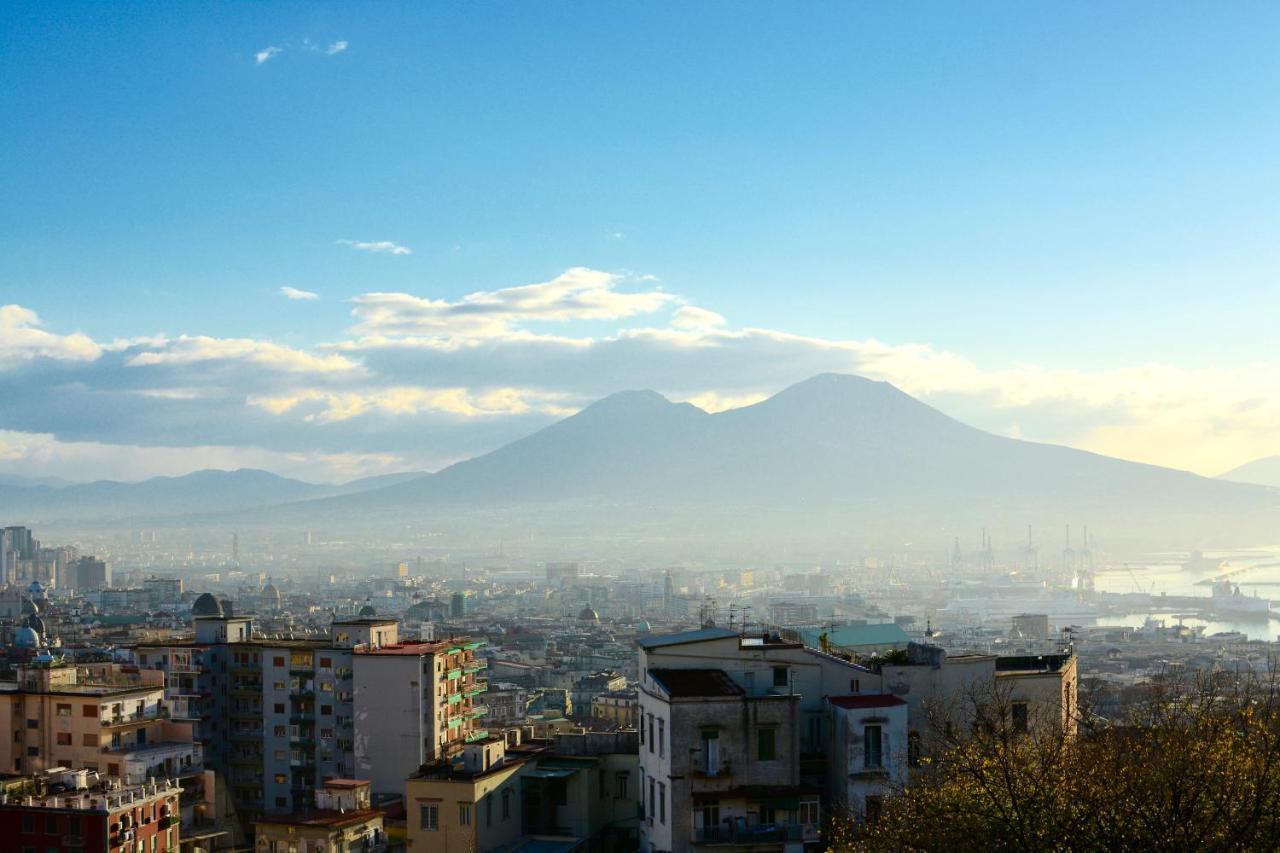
(336, 47)
(294, 293)
(381, 246)
(267, 54)
(335, 406)
(185, 350)
(692, 317)
(22, 340)
(576, 294)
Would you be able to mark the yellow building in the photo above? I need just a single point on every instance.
(343, 819)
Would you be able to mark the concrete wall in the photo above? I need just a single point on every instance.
(392, 719)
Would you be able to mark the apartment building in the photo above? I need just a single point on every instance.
(58, 715)
(414, 703)
(735, 737)
(96, 817)
(573, 792)
(275, 717)
(343, 819)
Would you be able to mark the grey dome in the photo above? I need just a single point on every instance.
(206, 605)
(368, 610)
(26, 638)
(588, 615)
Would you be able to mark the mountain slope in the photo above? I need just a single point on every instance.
(831, 447)
(1261, 472)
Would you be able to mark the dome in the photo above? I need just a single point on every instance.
(206, 605)
(642, 627)
(36, 590)
(26, 638)
(588, 615)
(367, 610)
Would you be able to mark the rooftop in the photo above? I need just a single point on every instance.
(686, 683)
(657, 641)
(320, 818)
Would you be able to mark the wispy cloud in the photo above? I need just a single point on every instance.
(268, 53)
(21, 339)
(336, 47)
(576, 294)
(294, 293)
(383, 246)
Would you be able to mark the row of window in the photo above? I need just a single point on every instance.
(429, 813)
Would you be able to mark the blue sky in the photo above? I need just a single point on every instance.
(1074, 203)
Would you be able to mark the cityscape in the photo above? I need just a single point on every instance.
(702, 427)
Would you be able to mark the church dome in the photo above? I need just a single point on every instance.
(367, 610)
(36, 590)
(206, 605)
(26, 638)
(588, 615)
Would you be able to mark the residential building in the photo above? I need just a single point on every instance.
(92, 816)
(414, 702)
(870, 753)
(343, 819)
(574, 792)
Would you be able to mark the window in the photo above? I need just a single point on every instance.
(506, 804)
(652, 783)
(64, 738)
(750, 679)
(89, 710)
(711, 814)
(620, 786)
(809, 812)
(33, 751)
(28, 823)
(871, 746)
(913, 749)
(1020, 717)
(51, 825)
(662, 802)
(875, 805)
(853, 686)
(277, 661)
(488, 809)
(779, 676)
(604, 784)
(282, 779)
(642, 727)
(766, 745)
(711, 751)
(279, 707)
(326, 663)
(651, 733)
(662, 737)
(64, 710)
(33, 724)
(464, 814)
(280, 802)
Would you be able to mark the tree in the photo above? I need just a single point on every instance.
(1193, 765)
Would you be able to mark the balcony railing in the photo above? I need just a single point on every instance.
(475, 666)
(157, 713)
(477, 735)
(761, 834)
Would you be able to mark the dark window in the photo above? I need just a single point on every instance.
(872, 755)
(326, 663)
(89, 710)
(33, 724)
(279, 706)
(278, 661)
(506, 804)
(766, 744)
(779, 676)
(1020, 717)
(51, 825)
(875, 805)
(33, 751)
(28, 823)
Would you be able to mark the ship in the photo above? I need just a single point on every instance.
(1227, 600)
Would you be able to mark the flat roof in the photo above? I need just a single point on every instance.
(320, 818)
(657, 641)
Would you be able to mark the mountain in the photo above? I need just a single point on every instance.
(23, 499)
(832, 450)
(836, 460)
(1261, 472)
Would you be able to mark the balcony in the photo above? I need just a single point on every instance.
(150, 715)
(475, 688)
(475, 666)
(452, 674)
(760, 834)
(477, 735)
(476, 712)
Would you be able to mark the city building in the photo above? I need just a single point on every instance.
(90, 814)
(343, 819)
(414, 702)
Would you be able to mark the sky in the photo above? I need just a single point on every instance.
(332, 240)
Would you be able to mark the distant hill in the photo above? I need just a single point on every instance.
(1262, 472)
(25, 500)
